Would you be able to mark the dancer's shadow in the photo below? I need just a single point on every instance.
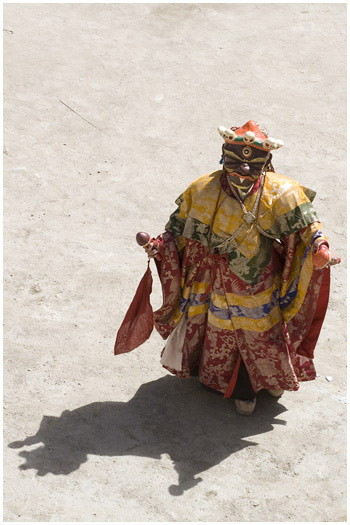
(196, 428)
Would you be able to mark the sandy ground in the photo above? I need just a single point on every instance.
(93, 437)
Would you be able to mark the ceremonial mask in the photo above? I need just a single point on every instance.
(246, 153)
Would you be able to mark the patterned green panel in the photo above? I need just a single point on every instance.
(295, 220)
(247, 270)
(196, 230)
(175, 224)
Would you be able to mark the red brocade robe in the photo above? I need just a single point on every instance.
(254, 297)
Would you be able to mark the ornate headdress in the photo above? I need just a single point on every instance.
(251, 134)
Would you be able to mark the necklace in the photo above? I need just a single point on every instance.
(249, 216)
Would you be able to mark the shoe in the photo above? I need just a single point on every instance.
(245, 408)
(275, 393)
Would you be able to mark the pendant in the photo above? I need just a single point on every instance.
(249, 217)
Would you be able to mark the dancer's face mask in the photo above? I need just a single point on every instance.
(244, 164)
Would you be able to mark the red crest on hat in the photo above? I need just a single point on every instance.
(251, 126)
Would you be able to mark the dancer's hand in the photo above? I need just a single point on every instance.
(151, 249)
(323, 257)
(151, 246)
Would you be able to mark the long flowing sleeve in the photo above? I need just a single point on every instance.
(304, 290)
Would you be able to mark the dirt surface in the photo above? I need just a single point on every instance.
(110, 112)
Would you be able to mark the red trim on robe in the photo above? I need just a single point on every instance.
(307, 346)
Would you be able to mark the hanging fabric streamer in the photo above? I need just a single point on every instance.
(138, 322)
